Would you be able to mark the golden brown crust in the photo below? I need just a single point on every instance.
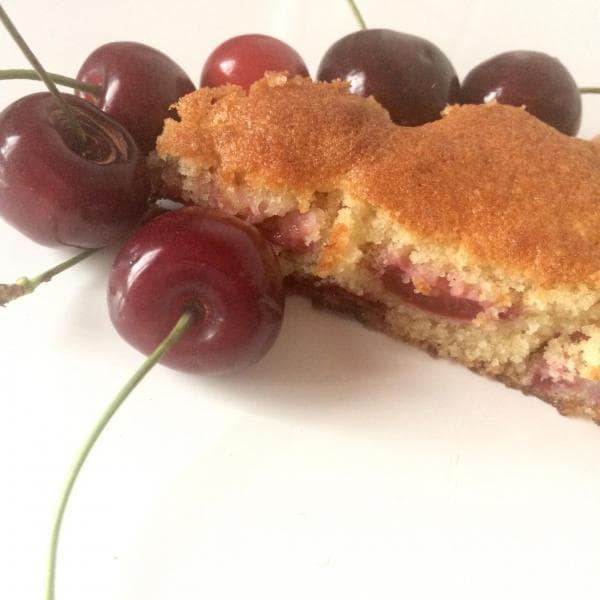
(291, 136)
(510, 190)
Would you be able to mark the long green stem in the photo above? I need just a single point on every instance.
(24, 285)
(589, 90)
(96, 90)
(186, 319)
(356, 12)
(35, 63)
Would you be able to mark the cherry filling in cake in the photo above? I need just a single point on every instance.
(440, 294)
(294, 231)
(445, 294)
(552, 379)
(565, 372)
(439, 299)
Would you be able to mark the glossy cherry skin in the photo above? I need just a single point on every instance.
(139, 84)
(194, 257)
(534, 80)
(407, 75)
(242, 60)
(58, 193)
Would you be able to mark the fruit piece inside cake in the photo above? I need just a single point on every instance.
(476, 237)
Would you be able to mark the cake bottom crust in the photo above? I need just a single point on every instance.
(326, 295)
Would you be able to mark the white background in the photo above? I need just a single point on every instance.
(345, 464)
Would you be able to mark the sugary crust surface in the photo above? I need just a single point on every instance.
(511, 191)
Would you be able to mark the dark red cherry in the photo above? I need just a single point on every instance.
(407, 75)
(244, 59)
(55, 191)
(535, 80)
(139, 85)
(193, 257)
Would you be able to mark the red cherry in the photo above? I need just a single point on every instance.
(407, 75)
(242, 60)
(139, 85)
(207, 260)
(532, 79)
(56, 192)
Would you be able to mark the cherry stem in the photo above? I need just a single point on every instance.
(187, 318)
(90, 88)
(589, 90)
(24, 285)
(35, 63)
(357, 14)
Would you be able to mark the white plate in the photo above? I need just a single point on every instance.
(345, 464)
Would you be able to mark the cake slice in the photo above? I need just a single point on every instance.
(475, 237)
